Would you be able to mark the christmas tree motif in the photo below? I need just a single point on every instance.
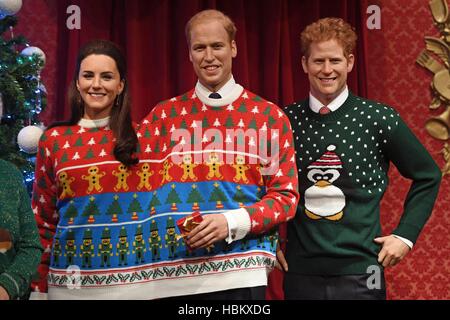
(217, 123)
(267, 111)
(183, 124)
(272, 121)
(240, 197)
(157, 150)
(242, 108)
(263, 145)
(64, 157)
(194, 109)
(270, 203)
(291, 173)
(147, 133)
(229, 122)
(155, 118)
(285, 128)
(91, 210)
(71, 212)
(114, 209)
(253, 124)
(173, 112)
(68, 132)
(205, 123)
(104, 140)
(134, 208)
(184, 97)
(153, 203)
(66, 145)
(257, 99)
(79, 142)
(89, 154)
(55, 146)
(195, 197)
(240, 139)
(42, 150)
(173, 199)
(218, 196)
(283, 158)
(163, 131)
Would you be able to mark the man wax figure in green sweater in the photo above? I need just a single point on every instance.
(344, 146)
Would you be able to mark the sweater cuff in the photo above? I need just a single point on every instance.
(406, 241)
(238, 224)
(407, 231)
(10, 285)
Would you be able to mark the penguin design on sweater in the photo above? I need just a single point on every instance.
(324, 200)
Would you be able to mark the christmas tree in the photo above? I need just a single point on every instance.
(91, 210)
(218, 196)
(22, 95)
(114, 209)
(134, 207)
(195, 197)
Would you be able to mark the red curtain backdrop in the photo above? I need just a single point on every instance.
(268, 62)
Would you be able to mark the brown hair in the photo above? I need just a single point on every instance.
(211, 15)
(326, 29)
(120, 117)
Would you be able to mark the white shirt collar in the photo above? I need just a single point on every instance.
(315, 104)
(97, 123)
(229, 93)
(224, 91)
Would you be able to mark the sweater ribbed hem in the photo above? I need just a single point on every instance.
(170, 287)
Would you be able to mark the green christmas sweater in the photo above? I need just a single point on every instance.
(343, 160)
(20, 249)
(213, 159)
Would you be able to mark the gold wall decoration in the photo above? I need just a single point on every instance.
(436, 58)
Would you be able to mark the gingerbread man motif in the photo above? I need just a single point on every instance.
(240, 168)
(94, 179)
(122, 176)
(65, 182)
(145, 174)
(165, 171)
(214, 166)
(188, 168)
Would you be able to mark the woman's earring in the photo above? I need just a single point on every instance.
(117, 100)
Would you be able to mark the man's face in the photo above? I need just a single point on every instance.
(327, 69)
(211, 54)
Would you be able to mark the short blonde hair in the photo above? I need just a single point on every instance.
(327, 29)
(211, 15)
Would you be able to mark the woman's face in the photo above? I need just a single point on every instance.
(99, 84)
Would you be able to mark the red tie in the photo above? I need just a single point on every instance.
(324, 110)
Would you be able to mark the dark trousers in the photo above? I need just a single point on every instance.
(254, 293)
(341, 287)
